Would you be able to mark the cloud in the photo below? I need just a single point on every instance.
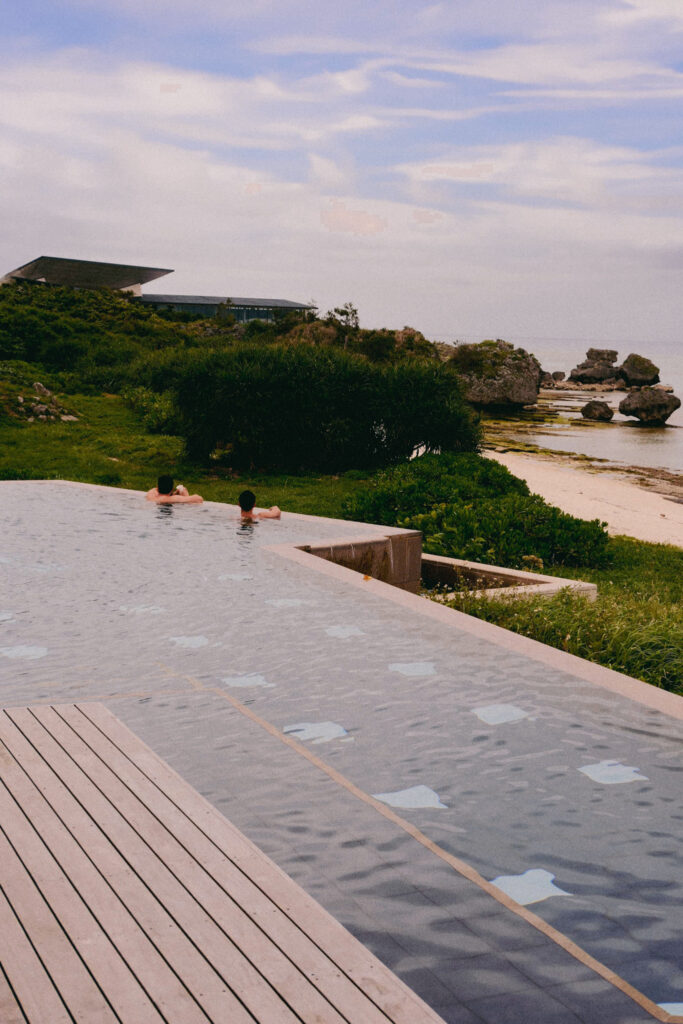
(562, 170)
(633, 12)
(337, 216)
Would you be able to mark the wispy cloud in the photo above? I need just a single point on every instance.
(402, 155)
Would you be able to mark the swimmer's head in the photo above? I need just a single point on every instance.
(247, 500)
(165, 484)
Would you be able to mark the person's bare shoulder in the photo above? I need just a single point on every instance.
(152, 495)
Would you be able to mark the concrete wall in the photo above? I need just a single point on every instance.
(394, 558)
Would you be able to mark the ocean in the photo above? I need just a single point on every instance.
(621, 441)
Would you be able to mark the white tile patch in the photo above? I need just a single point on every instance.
(238, 577)
(344, 632)
(250, 680)
(611, 773)
(6, 617)
(317, 732)
(30, 653)
(141, 609)
(413, 668)
(413, 798)
(499, 714)
(533, 886)
(675, 1009)
(189, 641)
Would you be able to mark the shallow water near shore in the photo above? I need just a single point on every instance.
(557, 424)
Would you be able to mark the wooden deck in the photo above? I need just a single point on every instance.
(125, 896)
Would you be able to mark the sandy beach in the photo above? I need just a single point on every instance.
(599, 493)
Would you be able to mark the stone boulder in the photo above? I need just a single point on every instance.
(597, 367)
(650, 405)
(495, 373)
(601, 355)
(597, 411)
(558, 375)
(637, 371)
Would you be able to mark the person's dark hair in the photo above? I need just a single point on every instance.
(247, 500)
(165, 484)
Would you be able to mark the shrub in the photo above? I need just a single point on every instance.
(292, 408)
(156, 410)
(431, 480)
(509, 531)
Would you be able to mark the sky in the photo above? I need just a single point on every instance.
(473, 168)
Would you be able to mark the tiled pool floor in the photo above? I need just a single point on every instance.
(289, 699)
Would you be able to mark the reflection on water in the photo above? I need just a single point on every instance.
(164, 511)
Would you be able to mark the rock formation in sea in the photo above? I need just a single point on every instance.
(599, 367)
(652, 406)
(637, 371)
(495, 373)
(595, 410)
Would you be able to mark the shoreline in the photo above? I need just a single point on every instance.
(635, 501)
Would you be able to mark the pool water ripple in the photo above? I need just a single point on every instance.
(125, 601)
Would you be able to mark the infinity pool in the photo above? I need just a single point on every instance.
(218, 652)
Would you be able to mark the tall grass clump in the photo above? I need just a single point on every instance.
(642, 637)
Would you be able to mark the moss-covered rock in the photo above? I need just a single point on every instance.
(495, 373)
(637, 371)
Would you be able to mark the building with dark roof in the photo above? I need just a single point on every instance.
(55, 270)
(207, 305)
(85, 274)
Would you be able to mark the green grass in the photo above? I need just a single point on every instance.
(635, 626)
(108, 445)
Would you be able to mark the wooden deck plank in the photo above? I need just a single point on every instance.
(232, 940)
(10, 1011)
(44, 845)
(184, 960)
(281, 970)
(224, 967)
(398, 1002)
(32, 985)
(63, 965)
(256, 916)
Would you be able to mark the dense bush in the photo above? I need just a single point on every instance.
(295, 407)
(92, 333)
(511, 530)
(428, 481)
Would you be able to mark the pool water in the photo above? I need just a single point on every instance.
(564, 795)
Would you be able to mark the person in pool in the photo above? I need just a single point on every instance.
(165, 492)
(247, 500)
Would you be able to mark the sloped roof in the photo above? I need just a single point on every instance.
(85, 273)
(216, 300)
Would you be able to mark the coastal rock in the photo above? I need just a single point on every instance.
(495, 373)
(650, 405)
(596, 410)
(601, 355)
(597, 367)
(547, 379)
(558, 375)
(637, 371)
